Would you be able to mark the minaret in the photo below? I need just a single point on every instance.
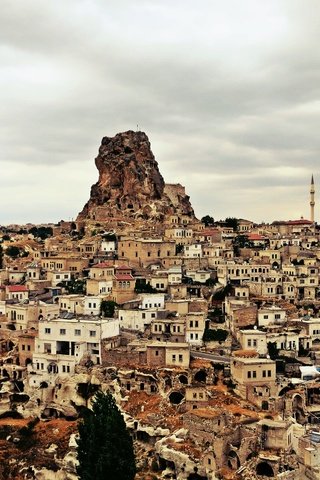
(312, 203)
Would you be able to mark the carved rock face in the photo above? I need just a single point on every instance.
(130, 184)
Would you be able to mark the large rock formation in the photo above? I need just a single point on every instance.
(130, 185)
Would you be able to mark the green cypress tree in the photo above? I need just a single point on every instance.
(105, 448)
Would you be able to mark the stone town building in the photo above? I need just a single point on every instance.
(271, 316)
(144, 252)
(253, 339)
(63, 342)
(26, 343)
(196, 397)
(276, 434)
(163, 354)
(195, 325)
(17, 292)
(181, 235)
(26, 315)
(137, 319)
(74, 264)
(255, 379)
(172, 329)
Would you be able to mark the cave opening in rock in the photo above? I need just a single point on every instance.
(201, 376)
(176, 398)
(183, 379)
(265, 469)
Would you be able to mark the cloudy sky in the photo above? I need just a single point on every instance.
(227, 91)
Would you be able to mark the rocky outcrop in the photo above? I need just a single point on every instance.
(130, 185)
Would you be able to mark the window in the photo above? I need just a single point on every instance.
(157, 353)
(254, 374)
(62, 331)
(92, 333)
(173, 358)
(77, 332)
(180, 358)
(23, 347)
(269, 373)
(249, 374)
(196, 323)
(249, 342)
(47, 330)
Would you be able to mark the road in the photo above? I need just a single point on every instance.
(211, 356)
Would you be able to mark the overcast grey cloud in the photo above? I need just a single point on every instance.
(228, 93)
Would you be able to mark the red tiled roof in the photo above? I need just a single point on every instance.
(124, 276)
(302, 221)
(123, 267)
(17, 288)
(255, 236)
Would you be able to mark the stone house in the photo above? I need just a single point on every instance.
(196, 397)
(26, 343)
(57, 277)
(174, 275)
(181, 235)
(123, 285)
(27, 315)
(74, 264)
(137, 319)
(159, 280)
(152, 300)
(62, 342)
(108, 246)
(98, 287)
(193, 250)
(178, 291)
(199, 276)
(275, 434)
(311, 327)
(91, 247)
(144, 252)
(17, 292)
(163, 354)
(72, 303)
(91, 305)
(33, 271)
(172, 329)
(255, 379)
(102, 271)
(195, 325)
(253, 340)
(284, 338)
(271, 316)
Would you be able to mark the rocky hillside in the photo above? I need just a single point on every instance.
(130, 185)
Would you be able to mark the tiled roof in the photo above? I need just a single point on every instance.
(124, 276)
(17, 288)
